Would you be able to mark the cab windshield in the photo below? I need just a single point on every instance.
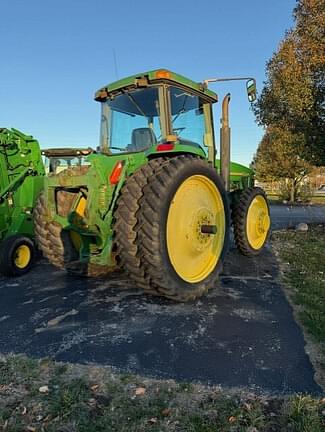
(187, 116)
(55, 165)
(131, 121)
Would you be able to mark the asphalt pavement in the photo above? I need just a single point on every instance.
(242, 334)
(284, 216)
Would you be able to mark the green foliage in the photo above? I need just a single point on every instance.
(293, 96)
(17, 369)
(68, 399)
(302, 193)
(302, 414)
(277, 158)
(306, 192)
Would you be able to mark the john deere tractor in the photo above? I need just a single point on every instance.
(22, 172)
(154, 200)
(21, 180)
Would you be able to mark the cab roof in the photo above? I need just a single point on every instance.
(154, 76)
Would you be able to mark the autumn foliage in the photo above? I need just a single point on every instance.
(292, 103)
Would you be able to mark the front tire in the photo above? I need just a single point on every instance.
(183, 198)
(17, 254)
(251, 221)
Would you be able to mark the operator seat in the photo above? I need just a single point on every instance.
(142, 138)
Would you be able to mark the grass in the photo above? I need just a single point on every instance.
(303, 255)
(85, 399)
(302, 261)
(274, 199)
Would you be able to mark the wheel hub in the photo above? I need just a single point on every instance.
(197, 205)
(199, 240)
(258, 222)
(22, 256)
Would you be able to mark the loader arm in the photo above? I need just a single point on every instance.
(15, 183)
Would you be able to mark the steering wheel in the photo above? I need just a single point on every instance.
(180, 129)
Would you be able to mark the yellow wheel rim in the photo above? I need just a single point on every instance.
(257, 222)
(22, 256)
(192, 253)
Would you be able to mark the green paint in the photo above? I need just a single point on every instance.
(21, 180)
(151, 75)
(96, 226)
(241, 177)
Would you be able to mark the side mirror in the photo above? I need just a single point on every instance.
(251, 90)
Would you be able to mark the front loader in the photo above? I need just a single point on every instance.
(21, 180)
(22, 169)
(153, 200)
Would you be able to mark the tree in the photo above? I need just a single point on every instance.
(277, 158)
(293, 95)
(310, 31)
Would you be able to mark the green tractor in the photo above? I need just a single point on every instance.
(22, 169)
(153, 200)
(21, 180)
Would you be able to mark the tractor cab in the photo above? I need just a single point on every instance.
(157, 111)
(57, 160)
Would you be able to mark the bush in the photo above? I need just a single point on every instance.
(305, 192)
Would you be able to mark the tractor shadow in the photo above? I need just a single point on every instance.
(242, 334)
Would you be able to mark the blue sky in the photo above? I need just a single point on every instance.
(56, 54)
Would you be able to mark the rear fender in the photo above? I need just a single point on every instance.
(178, 149)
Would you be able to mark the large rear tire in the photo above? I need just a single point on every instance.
(251, 221)
(126, 228)
(57, 245)
(183, 199)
